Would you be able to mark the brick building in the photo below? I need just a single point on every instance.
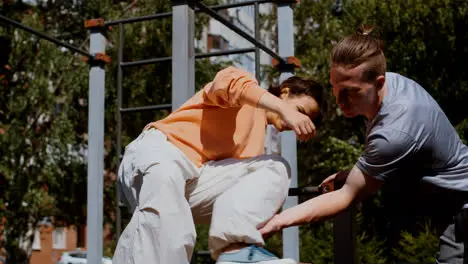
(50, 242)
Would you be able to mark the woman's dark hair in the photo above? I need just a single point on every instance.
(299, 86)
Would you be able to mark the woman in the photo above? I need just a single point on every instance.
(204, 163)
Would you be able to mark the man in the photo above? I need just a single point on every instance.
(410, 146)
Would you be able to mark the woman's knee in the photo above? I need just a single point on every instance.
(279, 167)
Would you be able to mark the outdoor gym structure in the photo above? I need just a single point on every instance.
(183, 87)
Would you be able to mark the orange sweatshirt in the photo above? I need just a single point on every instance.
(220, 121)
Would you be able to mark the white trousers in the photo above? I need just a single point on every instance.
(168, 195)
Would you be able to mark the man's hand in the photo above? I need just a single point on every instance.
(338, 178)
(298, 122)
(326, 205)
(271, 227)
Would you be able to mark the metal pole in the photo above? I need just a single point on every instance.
(95, 149)
(183, 53)
(223, 53)
(257, 37)
(168, 14)
(44, 36)
(237, 4)
(144, 62)
(138, 19)
(118, 228)
(145, 108)
(288, 139)
(344, 237)
(197, 56)
(239, 31)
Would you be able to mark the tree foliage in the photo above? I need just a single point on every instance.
(41, 159)
(43, 110)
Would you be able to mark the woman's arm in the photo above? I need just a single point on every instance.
(296, 121)
(233, 87)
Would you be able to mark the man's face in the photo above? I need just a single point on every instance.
(353, 95)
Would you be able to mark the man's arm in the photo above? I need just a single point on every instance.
(327, 205)
(387, 150)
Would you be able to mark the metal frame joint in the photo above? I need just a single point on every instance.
(287, 64)
(94, 23)
(98, 58)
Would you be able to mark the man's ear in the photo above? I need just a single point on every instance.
(380, 81)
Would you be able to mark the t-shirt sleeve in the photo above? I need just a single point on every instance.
(385, 152)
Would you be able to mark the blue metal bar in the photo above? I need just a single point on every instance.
(183, 53)
(97, 76)
(288, 139)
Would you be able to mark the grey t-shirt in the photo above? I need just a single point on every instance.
(411, 139)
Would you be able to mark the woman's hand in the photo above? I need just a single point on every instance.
(298, 122)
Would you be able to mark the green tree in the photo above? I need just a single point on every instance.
(43, 113)
(41, 160)
(419, 247)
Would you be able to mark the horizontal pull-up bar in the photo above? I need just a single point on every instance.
(223, 53)
(169, 14)
(239, 31)
(144, 62)
(138, 19)
(44, 36)
(197, 56)
(309, 190)
(146, 108)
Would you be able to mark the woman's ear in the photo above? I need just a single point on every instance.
(284, 92)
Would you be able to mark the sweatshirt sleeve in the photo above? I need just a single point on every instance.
(233, 87)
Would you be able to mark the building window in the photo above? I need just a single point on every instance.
(59, 238)
(37, 240)
(246, 62)
(217, 42)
